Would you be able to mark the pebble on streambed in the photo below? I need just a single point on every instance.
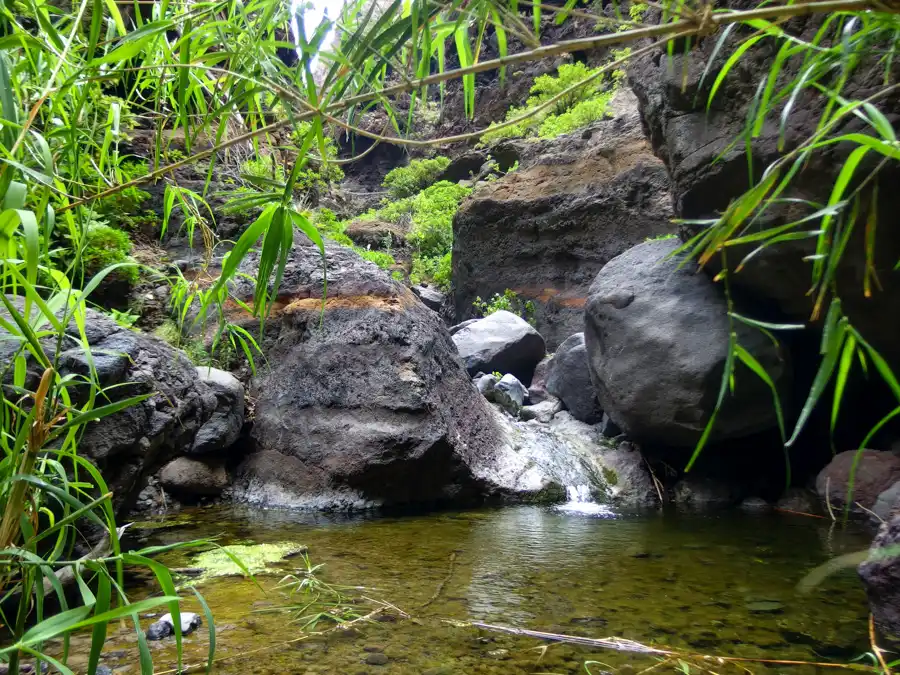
(166, 626)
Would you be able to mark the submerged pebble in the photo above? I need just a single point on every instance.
(377, 659)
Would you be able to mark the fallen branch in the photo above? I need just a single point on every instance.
(623, 645)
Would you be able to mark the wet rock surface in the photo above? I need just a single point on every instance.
(189, 477)
(133, 443)
(165, 627)
(880, 575)
(369, 404)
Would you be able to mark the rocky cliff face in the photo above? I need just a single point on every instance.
(708, 170)
(545, 230)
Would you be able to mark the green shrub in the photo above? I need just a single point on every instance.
(581, 115)
(193, 348)
(436, 270)
(405, 181)
(380, 258)
(263, 167)
(106, 246)
(507, 301)
(432, 218)
(578, 108)
(330, 227)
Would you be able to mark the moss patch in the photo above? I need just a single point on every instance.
(610, 476)
(255, 559)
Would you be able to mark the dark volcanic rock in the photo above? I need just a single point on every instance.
(431, 297)
(569, 380)
(500, 342)
(368, 404)
(657, 339)
(132, 443)
(188, 477)
(708, 170)
(223, 428)
(876, 471)
(545, 230)
(881, 576)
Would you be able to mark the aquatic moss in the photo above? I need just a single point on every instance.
(610, 476)
(255, 558)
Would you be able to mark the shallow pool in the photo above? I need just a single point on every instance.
(716, 584)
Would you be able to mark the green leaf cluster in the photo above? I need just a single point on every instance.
(573, 110)
(508, 301)
(105, 246)
(405, 181)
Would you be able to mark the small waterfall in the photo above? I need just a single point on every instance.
(579, 500)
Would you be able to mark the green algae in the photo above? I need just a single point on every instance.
(242, 559)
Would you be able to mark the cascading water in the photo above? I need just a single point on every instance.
(579, 500)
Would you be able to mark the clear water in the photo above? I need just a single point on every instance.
(665, 579)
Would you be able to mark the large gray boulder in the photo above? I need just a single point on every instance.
(369, 403)
(546, 229)
(500, 342)
(223, 428)
(132, 444)
(874, 471)
(657, 339)
(881, 577)
(569, 379)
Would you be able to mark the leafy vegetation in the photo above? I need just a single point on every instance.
(508, 301)
(105, 246)
(436, 270)
(581, 97)
(214, 73)
(405, 181)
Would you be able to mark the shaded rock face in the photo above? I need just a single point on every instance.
(369, 406)
(132, 443)
(657, 339)
(880, 575)
(704, 493)
(708, 171)
(501, 342)
(223, 428)
(431, 297)
(569, 379)
(876, 471)
(545, 230)
(188, 477)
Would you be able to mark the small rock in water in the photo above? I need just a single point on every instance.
(498, 653)
(166, 626)
(765, 607)
(377, 659)
(373, 649)
(755, 504)
(103, 670)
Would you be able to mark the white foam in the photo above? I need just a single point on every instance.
(580, 502)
